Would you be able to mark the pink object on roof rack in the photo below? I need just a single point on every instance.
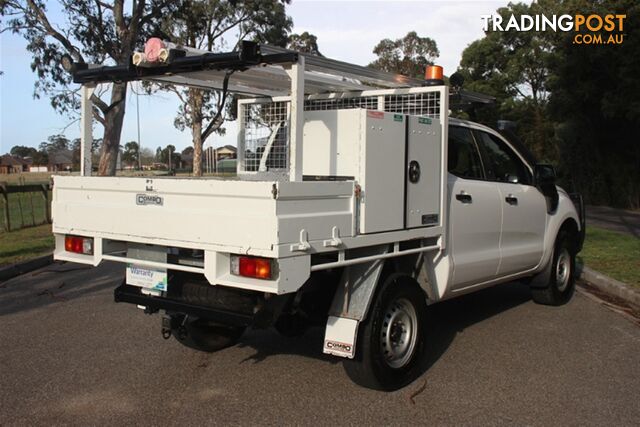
(153, 48)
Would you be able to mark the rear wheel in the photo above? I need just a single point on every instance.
(204, 335)
(561, 283)
(390, 340)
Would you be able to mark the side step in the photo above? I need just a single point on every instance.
(132, 294)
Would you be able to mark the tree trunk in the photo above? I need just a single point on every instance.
(112, 130)
(197, 149)
(196, 99)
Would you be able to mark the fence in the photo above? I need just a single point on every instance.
(24, 205)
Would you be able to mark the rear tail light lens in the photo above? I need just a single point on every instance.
(78, 245)
(248, 266)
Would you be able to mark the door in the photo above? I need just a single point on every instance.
(524, 211)
(423, 172)
(474, 213)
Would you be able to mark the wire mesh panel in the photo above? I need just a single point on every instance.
(266, 136)
(415, 104)
(366, 102)
(265, 122)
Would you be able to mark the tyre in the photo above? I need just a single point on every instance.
(391, 339)
(204, 335)
(561, 280)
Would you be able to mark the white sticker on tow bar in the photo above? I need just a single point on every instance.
(147, 278)
(340, 337)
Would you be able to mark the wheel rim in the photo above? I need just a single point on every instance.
(563, 270)
(399, 332)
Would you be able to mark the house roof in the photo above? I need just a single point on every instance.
(224, 147)
(60, 157)
(9, 160)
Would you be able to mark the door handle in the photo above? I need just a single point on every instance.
(464, 197)
(511, 199)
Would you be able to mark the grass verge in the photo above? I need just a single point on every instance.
(28, 243)
(614, 254)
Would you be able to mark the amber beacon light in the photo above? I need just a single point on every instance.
(434, 75)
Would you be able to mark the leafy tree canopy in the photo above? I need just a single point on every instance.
(576, 105)
(215, 25)
(305, 42)
(409, 55)
(91, 31)
(23, 151)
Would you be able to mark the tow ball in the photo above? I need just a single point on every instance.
(166, 327)
(172, 323)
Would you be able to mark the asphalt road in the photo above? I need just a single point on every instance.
(68, 354)
(620, 220)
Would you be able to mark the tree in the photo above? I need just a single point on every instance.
(131, 153)
(94, 31)
(54, 143)
(213, 25)
(169, 156)
(569, 108)
(595, 93)
(409, 55)
(513, 66)
(75, 148)
(38, 157)
(305, 43)
(22, 151)
(146, 156)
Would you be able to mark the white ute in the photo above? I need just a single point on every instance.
(357, 204)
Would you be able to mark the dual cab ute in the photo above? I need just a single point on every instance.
(357, 204)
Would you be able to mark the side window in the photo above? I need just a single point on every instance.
(502, 164)
(464, 159)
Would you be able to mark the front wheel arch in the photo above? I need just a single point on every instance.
(570, 226)
(555, 285)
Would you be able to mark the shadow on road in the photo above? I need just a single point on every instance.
(60, 283)
(270, 343)
(57, 283)
(445, 321)
(449, 318)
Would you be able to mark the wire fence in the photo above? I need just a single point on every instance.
(24, 206)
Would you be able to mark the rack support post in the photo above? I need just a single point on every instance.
(296, 73)
(86, 129)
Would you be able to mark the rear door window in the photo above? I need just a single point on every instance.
(463, 157)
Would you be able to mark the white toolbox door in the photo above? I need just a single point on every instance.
(381, 172)
(423, 172)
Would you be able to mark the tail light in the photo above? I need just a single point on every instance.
(78, 245)
(248, 266)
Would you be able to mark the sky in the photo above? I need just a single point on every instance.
(346, 30)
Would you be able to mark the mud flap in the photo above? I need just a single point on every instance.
(541, 280)
(351, 303)
(340, 337)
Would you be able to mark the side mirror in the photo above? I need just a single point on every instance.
(544, 175)
(513, 179)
